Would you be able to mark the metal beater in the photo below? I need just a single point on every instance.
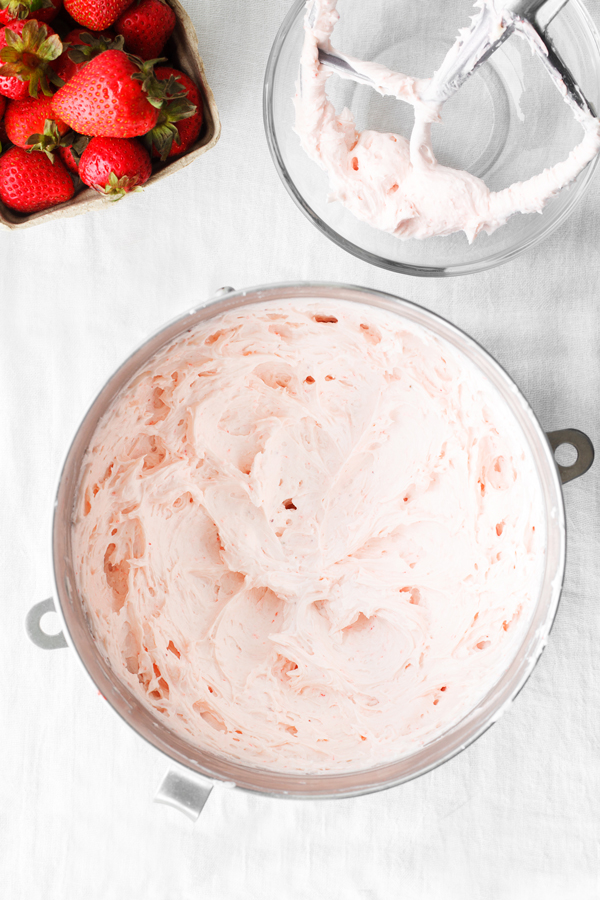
(495, 22)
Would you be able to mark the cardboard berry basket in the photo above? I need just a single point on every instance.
(182, 52)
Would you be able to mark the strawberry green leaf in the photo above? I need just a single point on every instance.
(118, 187)
(92, 46)
(12, 38)
(156, 90)
(165, 131)
(50, 140)
(78, 145)
(51, 48)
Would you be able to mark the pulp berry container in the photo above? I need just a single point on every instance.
(182, 52)
(188, 785)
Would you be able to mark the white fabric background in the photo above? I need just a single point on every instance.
(516, 816)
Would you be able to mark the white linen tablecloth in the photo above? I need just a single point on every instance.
(516, 816)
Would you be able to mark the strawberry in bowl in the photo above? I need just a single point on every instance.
(27, 51)
(96, 14)
(115, 166)
(146, 26)
(179, 120)
(41, 10)
(30, 183)
(114, 95)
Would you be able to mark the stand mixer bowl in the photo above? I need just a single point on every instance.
(188, 787)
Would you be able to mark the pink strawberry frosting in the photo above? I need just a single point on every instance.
(397, 185)
(309, 535)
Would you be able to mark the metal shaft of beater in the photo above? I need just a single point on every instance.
(540, 13)
(528, 9)
(489, 30)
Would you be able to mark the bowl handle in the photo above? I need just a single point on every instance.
(186, 792)
(583, 446)
(34, 629)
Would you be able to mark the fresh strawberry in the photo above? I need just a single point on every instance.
(2, 105)
(180, 120)
(115, 166)
(83, 46)
(146, 26)
(96, 14)
(114, 95)
(41, 10)
(70, 152)
(68, 158)
(47, 10)
(29, 182)
(27, 50)
(28, 117)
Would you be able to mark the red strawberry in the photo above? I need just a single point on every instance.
(114, 166)
(25, 118)
(112, 96)
(146, 26)
(2, 105)
(180, 120)
(29, 182)
(41, 10)
(71, 153)
(83, 46)
(27, 50)
(47, 11)
(96, 14)
(68, 158)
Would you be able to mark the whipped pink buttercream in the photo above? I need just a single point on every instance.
(397, 185)
(308, 535)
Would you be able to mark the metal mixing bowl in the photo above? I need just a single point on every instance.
(189, 791)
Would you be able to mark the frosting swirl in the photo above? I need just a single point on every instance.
(309, 535)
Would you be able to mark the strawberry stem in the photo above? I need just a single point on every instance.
(92, 46)
(49, 140)
(158, 92)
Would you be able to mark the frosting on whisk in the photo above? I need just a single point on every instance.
(398, 185)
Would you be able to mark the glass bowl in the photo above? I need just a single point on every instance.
(507, 123)
(154, 728)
